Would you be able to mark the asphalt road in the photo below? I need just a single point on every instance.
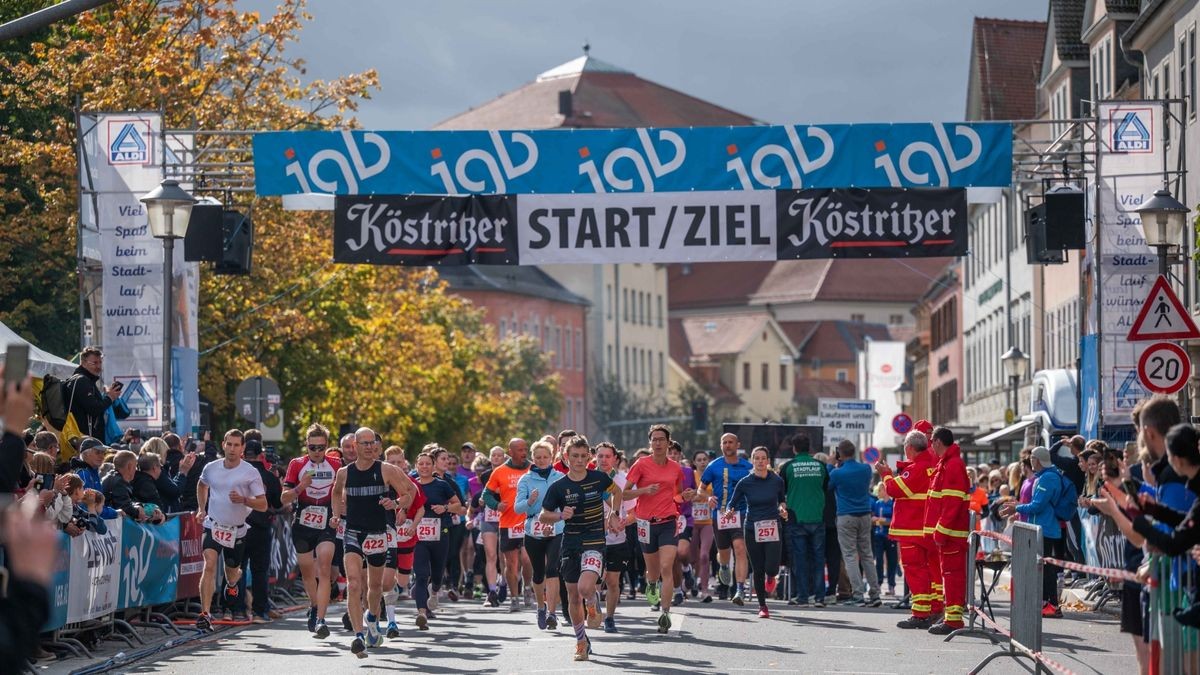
(713, 638)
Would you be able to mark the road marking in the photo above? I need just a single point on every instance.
(857, 672)
(939, 650)
(874, 649)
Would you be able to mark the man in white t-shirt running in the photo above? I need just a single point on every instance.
(226, 493)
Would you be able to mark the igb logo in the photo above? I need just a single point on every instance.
(1132, 130)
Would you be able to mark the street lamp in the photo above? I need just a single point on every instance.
(1015, 362)
(169, 208)
(1163, 219)
(904, 395)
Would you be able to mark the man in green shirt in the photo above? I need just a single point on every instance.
(806, 480)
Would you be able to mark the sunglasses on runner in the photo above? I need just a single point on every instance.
(317, 448)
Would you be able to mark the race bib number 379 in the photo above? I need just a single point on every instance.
(729, 520)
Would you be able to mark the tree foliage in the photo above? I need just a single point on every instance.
(385, 347)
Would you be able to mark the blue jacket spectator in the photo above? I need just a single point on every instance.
(87, 467)
(1048, 484)
(851, 483)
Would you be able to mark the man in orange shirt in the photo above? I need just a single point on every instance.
(500, 494)
(657, 483)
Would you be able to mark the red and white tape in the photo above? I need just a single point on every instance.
(1106, 572)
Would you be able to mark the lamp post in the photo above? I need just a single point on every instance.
(904, 395)
(169, 208)
(1163, 218)
(1015, 362)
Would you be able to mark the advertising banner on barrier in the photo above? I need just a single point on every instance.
(95, 573)
(60, 585)
(658, 227)
(191, 557)
(149, 563)
(554, 161)
(283, 551)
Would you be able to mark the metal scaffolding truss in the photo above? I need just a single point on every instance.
(214, 163)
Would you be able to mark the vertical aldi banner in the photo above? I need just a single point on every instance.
(60, 585)
(149, 563)
(95, 573)
(191, 557)
(122, 159)
(1129, 164)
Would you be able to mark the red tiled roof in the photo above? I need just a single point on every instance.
(811, 390)
(698, 285)
(882, 280)
(602, 95)
(836, 341)
(720, 335)
(793, 281)
(1006, 64)
(681, 353)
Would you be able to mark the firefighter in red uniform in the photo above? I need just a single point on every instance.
(947, 523)
(918, 555)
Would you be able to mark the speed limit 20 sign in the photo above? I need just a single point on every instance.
(1164, 368)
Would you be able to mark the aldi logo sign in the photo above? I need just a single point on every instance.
(1132, 130)
(129, 142)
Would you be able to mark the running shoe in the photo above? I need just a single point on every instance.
(204, 623)
(819, 603)
(763, 613)
(678, 600)
(372, 628)
(873, 602)
(529, 599)
(689, 581)
(358, 648)
(664, 623)
(610, 625)
(260, 618)
(723, 576)
(593, 619)
(706, 599)
(452, 595)
(514, 605)
(581, 651)
(422, 622)
(346, 622)
(652, 594)
(1049, 611)
(240, 616)
(312, 619)
(231, 594)
(738, 598)
(770, 585)
(503, 593)
(393, 631)
(433, 601)
(429, 614)
(493, 600)
(322, 631)
(551, 621)
(541, 619)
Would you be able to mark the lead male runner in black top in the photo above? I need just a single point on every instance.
(579, 500)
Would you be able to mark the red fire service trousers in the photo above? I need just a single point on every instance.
(923, 571)
(954, 579)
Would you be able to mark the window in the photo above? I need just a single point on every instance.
(627, 380)
(766, 376)
(503, 327)
(547, 345)
(609, 363)
(857, 318)
(643, 372)
(783, 376)
(662, 371)
(1166, 94)
(1184, 92)
(557, 347)
(578, 349)
(746, 376)
(1191, 60)
(842, 375)
(641, 307)
(1059, 109)
(660, 312)
(896, 319)
(609, 296)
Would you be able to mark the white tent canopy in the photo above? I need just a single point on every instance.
(40, 362)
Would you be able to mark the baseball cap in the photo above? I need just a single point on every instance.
(253, 448)
(924, 426)
(468, 444)
(89, 443)
(1041, 454)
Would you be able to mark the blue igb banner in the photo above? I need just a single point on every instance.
(566, 161)
(149, 563)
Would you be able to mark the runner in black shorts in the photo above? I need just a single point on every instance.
(618, 551)
(579, 501)
(309, 483)
(361, 493)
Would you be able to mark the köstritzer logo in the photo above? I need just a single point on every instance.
(1131, 134)
(129, 145)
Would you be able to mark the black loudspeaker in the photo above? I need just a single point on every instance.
(1036, 251)
(1065, 220)
(205, 239)
(238, 244)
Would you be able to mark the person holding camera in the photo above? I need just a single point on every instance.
(85, 400)
(118, 490)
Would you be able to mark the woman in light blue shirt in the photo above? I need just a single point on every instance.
(542, 541)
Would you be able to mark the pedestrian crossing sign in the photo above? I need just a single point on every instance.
(1162, 317)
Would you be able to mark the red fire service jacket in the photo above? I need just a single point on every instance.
(910, 489)
(947, 511)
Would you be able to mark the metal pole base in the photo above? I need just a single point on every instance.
(1004, 652)
(971, 630)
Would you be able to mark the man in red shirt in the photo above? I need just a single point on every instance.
(309, 482)
(657, 483)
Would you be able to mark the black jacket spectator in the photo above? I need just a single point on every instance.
(145, 490)
(274, 492)
(187, 500)
(171, 490)
(87, 402)
(12, 462)
(119, 494)
(1067, 462)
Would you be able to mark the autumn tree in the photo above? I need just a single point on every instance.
(380, 346)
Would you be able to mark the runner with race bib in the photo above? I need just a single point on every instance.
(542, 540)
(500, 494)
(618, 550)
(718, 480)
(361, 493)
(764, 497)
(227, 492)
(433, 536)
(578, 501)
(309, 483)
(400, 555)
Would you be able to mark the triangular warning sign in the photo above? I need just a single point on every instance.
(1162, 317)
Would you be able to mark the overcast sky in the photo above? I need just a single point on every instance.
(786, 61)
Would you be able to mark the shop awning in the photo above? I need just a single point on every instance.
(1011, 430)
